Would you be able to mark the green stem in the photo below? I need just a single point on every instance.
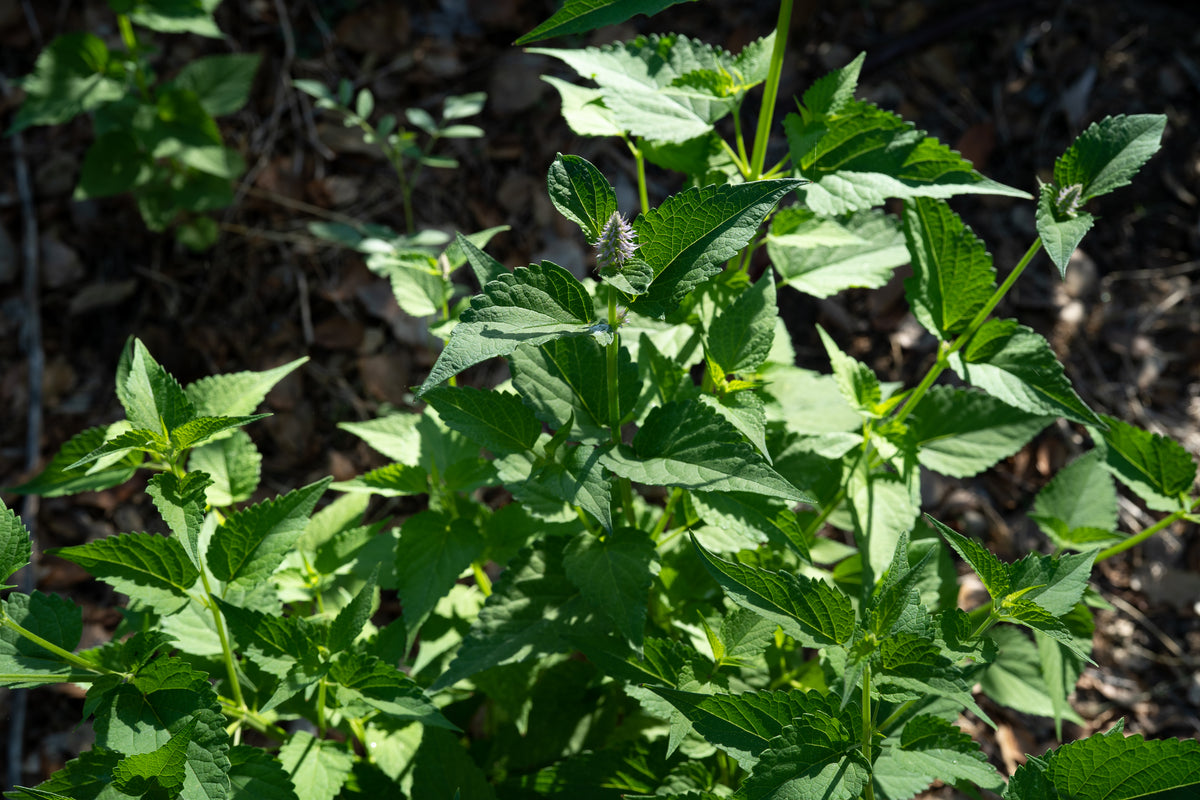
(667, 512)
(613, 352)
(226, 649)
(998, 295)
(946, 350)
(481, 579)
(360, 733)
(131, 43)
(988, 621)
(939, 366)
(767, 113)
(895, 715)
(740, 158)
(830, 507)
(867, 731)
(640, 160)
(254, 720)
(65, 655)
(321, 709)
(1133, 541)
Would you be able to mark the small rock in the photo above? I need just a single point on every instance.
(60, 263)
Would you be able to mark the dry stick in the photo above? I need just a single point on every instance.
(31, 339)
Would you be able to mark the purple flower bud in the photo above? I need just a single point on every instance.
(616, 243)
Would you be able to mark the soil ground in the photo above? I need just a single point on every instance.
(1009, 83)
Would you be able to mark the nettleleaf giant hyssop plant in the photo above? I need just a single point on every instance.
(655, 611)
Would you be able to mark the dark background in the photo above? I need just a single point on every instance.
(1009, 84)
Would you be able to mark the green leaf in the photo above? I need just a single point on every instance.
(222, 82)
(953, 276)
(354, 615)
(114, 163)
(69, 78)
(740, 337)
(929, 749)
(914, 667)
(686, 444)
(318, 767)
(858, 155)
(434, 550)
(993, 572)
(158, 773)
(153, 400)
(1080, 496)
(445, 769)
(203, 430)
(640, 87)
(255, 774)
(275, 643)
(807, 609)
(817, 756)
(574, 476)
(1056, 583)
(395, 436)
(1109, 153)
(198, 234)
(233, 463)
(181, 501)
(688, 238)
(529, 613)
(15, 549)
(748, 520)
(821, 256)
(1061, 666)
(53, 618)
(1018, 366)
(383, 687)
(1015, 678)
(581, 194)
(486, 268)
(251, 543)
(1060, 233)
(742, 725)
(154, 569)
(88, 777)
(856, 381)
(420, 286)
(961, 433)
(530, 305)
(166, 696)
(1156, 468)
(497, 421)
(584, 110)
(57, 480)
(882, 509)
(615, 576)
(393, 480)
(236, 394)
(558, 380)
(120, 447)
(581, 16)
(1113, 766)
(177, 16)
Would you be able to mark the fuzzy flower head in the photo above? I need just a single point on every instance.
(616, 243)
(1068, 201)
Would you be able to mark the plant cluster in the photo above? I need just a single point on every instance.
(666, 621)
(157, 139)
